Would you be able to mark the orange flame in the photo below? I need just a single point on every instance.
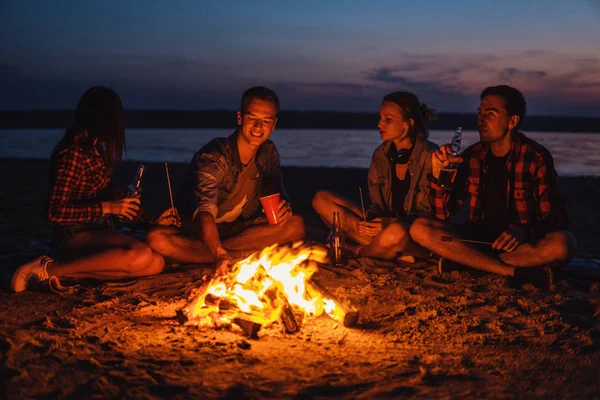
(257, 288)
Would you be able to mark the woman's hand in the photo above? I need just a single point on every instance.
(375, 226)
(370, 228)
(170, 217)
(441, 158)
(128, 207)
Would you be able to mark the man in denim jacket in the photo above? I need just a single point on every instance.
(219, 199)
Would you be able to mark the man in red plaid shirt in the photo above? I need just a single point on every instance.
(510, 186)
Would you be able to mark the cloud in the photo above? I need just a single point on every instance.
(453, 82)
(324, 88)
(511, 72)
(389, 75)
(444, 81)
(331, 96)
(553, 83)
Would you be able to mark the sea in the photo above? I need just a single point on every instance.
(575, 154)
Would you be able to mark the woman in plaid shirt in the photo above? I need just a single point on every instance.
(81, 198)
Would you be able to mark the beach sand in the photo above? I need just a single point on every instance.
(463, 334)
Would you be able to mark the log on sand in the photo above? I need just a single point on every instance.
(350, 313)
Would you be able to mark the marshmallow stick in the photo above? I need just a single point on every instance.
(170, 191)
(450, 239)
(362, 203)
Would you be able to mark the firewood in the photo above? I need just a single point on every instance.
(287, 314)
(250, 328)
(181, 317)
(288, 319)
(350, 313)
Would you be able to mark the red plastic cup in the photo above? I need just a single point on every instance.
(270, 204)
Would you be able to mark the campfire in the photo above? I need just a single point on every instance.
(272, 285)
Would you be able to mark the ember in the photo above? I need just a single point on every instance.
(266, 287)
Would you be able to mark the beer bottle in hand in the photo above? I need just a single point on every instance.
(447, 174)
(134, 190)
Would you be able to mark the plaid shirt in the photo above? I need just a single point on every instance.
(79, 179)
(532, 191)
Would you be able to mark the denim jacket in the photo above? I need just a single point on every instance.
(416, 201)
(214, 171)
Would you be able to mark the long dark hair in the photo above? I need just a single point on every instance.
(100, 113)
(411, 107)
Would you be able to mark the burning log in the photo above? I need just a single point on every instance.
(346, 315)
(287, 315)
(181, 317)
(288, 319)
(250, 328)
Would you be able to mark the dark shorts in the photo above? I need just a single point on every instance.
(64, 233)
(473, 231)
(477, 232)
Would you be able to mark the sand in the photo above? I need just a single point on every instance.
(463, 334)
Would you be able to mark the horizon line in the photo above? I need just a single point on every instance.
(285, 110)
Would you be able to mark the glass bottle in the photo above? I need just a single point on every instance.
(134, 190)
(447, 174)
(336, 241)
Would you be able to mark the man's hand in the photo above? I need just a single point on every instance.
(128, 207)
(441, 158)
(170, 217)
(284, 211)
(510, 239)
(223, 267)
(259, 220)
(223, 262)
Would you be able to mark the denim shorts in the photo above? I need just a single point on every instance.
(64, 233)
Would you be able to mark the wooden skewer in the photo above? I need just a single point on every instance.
(450, 239)
(362, 203)
(170, 191)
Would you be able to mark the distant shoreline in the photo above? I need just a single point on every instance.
(213, 119)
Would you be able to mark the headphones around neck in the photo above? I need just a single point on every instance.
(400, 156)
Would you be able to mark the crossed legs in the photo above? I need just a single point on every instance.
(554, 249)
(391, 242)
(179, 248)
(106, 255)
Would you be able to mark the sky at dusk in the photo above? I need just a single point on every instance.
(317, 55)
